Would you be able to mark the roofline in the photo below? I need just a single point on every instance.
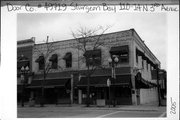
(31, 40)
(145, 44)
(132, 29)
(81, 37)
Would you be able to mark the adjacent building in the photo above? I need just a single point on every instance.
(64, 78)
(24, 61)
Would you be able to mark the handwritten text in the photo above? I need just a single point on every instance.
(104, 7)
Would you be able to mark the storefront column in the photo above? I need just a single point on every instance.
(133, 91)
(72, 90)
(80, 96)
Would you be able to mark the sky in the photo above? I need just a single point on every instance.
(151, 27)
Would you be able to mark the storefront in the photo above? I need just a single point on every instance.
(119, 92)
(56, 91)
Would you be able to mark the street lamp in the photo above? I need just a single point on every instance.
(112, 61)
(24, 72)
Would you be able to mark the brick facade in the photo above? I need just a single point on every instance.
(118, 39)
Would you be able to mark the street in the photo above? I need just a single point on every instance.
(84, 112)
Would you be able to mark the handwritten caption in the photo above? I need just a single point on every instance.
(173, 107)
(47, 6)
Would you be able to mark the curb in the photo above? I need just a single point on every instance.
(123, 109)
(94, 108)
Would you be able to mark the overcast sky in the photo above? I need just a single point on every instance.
(151, 27)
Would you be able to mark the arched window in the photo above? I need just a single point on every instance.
(41, 62)
(68, 59)
(54, 60)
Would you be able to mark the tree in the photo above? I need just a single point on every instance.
(88, 41)
(45, 60)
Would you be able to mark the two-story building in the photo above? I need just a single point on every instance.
(132, 83)
(24, 68)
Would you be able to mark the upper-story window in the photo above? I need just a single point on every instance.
(68, 59)
(122, 52)
(147, 65)
(152, 68)
(142, 63)
(41, 62)
(93, 57)
(54, 60)
(136, 58)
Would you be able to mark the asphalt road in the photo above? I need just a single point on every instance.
(68, 112)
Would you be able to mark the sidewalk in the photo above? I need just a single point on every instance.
(129, 107)
(117, 107)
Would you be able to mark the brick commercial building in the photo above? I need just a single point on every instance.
(124, 75)
(24, 60)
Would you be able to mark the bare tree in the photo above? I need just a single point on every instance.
(44, 54)
(89, 40)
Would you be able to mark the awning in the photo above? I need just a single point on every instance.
(41, 58)
(122, 49)
(140, 53)
(101, 81)
(49, 83)
(67, 56)
(142, 83)
(53, 57)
